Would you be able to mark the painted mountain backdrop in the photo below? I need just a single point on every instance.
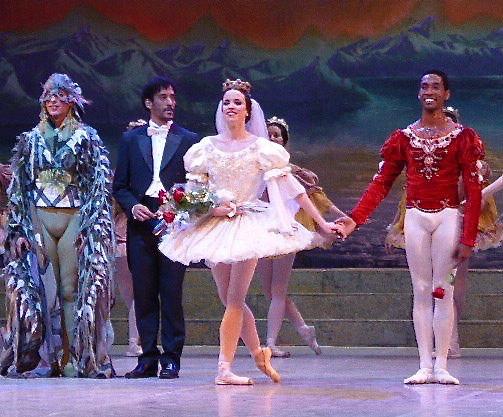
(341, 98)
(314, 83)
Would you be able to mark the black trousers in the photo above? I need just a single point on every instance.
(157, 288)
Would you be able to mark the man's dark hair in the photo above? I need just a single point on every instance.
(441, 74)
(154, 86)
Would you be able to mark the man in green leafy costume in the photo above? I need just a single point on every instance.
(61, 243)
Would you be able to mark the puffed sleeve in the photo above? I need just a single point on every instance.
(471, 150)
(393, 161)
(195, 162)
(282, 187)
(273, 160)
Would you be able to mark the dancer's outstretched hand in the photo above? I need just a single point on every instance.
(462, 253)
(347, 225)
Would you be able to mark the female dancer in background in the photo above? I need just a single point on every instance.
(275, 272)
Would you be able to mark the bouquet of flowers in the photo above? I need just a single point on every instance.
(182, 206)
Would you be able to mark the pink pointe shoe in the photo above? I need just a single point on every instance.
(226, 377)
(263, 362)
(308, 333)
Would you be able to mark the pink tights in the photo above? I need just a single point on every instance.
(233, 281)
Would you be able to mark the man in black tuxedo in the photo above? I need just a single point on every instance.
(150, 160)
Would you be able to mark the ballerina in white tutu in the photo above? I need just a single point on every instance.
(237, 165)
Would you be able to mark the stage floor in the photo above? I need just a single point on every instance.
(340, 382)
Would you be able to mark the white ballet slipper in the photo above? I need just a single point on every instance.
(441, 376)
(226, 377)
(423, 376)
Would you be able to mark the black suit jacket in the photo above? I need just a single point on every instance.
(134, 171)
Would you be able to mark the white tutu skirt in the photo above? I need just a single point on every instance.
(229, 240)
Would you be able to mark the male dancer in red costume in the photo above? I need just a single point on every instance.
(435, 151)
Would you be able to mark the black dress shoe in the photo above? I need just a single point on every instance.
(142, 371)
(169, 371)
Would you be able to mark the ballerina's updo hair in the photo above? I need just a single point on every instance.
(281, 125)
(244, 88)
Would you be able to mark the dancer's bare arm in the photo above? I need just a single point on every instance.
(311, 210)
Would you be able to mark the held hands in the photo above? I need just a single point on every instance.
(346, 225)
(331, 228)
(142, 213)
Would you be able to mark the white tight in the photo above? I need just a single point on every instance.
(233, 281)
(430, 242)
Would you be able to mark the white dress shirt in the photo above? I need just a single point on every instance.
(158, 135)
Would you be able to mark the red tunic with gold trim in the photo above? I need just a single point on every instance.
(433, 168)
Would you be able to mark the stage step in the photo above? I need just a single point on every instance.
(348, 307)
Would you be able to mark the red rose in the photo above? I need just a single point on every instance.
(179, 194)
(168, 216)
(439, 293)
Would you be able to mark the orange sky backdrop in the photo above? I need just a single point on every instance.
(268, 24)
